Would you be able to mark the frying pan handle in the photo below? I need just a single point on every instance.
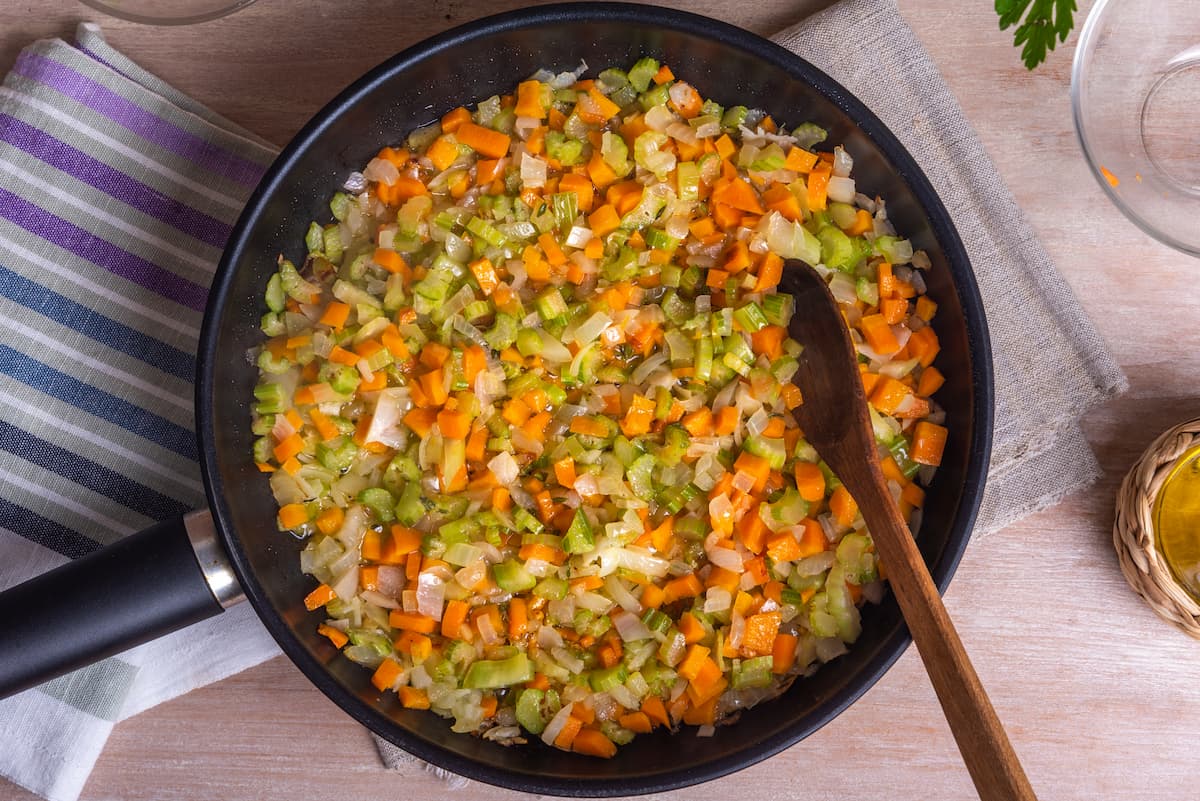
(149, 584)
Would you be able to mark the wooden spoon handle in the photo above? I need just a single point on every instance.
(981, 738)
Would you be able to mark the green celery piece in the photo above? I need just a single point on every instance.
(409, 509)
(270, 399)
(552, 588)
(297, 288)
(579, 538)
(487, 674)
(511, 576)
(754, 672)
(605, 679)
(379, 501)
(535, 708)
(315, 239)
(337, 454)
(641, 73)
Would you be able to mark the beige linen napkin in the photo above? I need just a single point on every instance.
(1051, 365)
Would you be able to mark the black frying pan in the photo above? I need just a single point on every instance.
(176, 573)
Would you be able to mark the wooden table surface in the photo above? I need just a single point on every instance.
(1097, 693)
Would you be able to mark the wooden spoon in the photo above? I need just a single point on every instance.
(834, 419)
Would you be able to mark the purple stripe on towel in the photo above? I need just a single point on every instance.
(104, 254)
(113, 182)
(145, 124)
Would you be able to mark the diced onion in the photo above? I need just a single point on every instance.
(630, 627)
(717, 599)
(533, 171)
(431, 592)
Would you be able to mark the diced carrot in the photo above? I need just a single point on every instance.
(818, 186)
(319, 597)
(335, 315)
(492, 144)
(792, 397)
(455, 425)
(760, 631)
(725, 422)
(664, 75)
(863, 222)
(693, 661)
(453, 120)
(413, 698)
(878, 334)
(654, 709)
(570, 731)
(386, 675)
(926, 308)
(582, 187)
(929, 443)
(783, 547)
(924, 345)
(894, 310)
(843, 507)
(725, 146)
(810, 481)
(888, 394)
(288, 447)
(606, 108)
(433, 385)
(593, 743)
(783, 653)
(800, 160)
(638, 722)
(453, 617)
(768, 341)
(292, 515)
(442, 152)
(886, 279)
(756, 466)
(736, 193)
(652, 596)
(931, 381)
(698, 423)
(554, 253)
(336, 636)
(529, 100)
(687, 586)
(752, 531)
(913, 495)
(411, 621)
(691, 628)
(707, 684)
(518, 617)
(598, 170)
(421, 421)
(564, 471)
(330, 520)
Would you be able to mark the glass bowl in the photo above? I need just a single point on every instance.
(1135, 94)
(167, 12)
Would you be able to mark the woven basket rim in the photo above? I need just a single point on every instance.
(1133, 529)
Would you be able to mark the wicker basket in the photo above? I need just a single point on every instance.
(1133, 532)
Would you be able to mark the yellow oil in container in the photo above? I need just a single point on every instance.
(1177, 521)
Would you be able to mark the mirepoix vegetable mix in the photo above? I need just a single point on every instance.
(528, 401)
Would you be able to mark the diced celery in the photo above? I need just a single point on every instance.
(379, 501)
(772, 449)
(579, 538)
(641, 73)
(607, 678)
(511, 576)
(495, 673)
(270, 399)
(751, 317)
(337, 454)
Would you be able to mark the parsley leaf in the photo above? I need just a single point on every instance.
(1047, 23)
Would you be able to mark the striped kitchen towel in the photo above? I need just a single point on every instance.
(117, 194)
